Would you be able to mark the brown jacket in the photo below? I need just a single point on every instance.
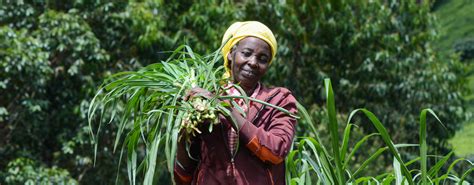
(265, 140)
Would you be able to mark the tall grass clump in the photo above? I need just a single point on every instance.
(311, 161)
(153, 113)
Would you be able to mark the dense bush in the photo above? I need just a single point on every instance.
(26, 171)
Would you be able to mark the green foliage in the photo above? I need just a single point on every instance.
(463, 141)
(22, 58)
(465, 48)
(150, 108)
(48, 68)
(26, 171)
(10, 13)
(455, 38)
(71, 42)
(454, 24)
(310, 161)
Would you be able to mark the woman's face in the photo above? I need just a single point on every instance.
(249, 61)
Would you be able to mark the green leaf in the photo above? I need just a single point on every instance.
(333, 130)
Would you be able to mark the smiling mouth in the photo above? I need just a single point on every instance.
(248, 74)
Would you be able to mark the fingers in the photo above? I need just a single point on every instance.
(188, 95)
(197, 91)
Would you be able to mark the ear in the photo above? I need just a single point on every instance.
(229, 59)
(229, 55)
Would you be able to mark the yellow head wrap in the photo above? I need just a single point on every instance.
(239, 31)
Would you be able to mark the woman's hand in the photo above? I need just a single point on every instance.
(184, 158)
(204, 112)
(197, 91)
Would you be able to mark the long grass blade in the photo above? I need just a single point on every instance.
(333, 129)
(345, 141)
(304, 115)
(357, 146)
(386, 138)
(261, 102)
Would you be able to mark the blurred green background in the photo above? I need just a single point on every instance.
(456, 27)
(393, 58)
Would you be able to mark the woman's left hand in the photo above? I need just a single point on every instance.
(197, 91)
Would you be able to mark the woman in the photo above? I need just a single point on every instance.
(254, 152)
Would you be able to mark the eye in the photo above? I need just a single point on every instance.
(263, 59)
(246, 53)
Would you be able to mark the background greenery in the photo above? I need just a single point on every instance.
(456, 30)
(393, 58)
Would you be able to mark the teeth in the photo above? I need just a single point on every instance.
(249, 72)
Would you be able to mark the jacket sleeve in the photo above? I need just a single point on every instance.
(273, 144)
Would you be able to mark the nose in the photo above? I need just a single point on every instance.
(253, 61)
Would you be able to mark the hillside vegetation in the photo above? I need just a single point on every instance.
(456, 25)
